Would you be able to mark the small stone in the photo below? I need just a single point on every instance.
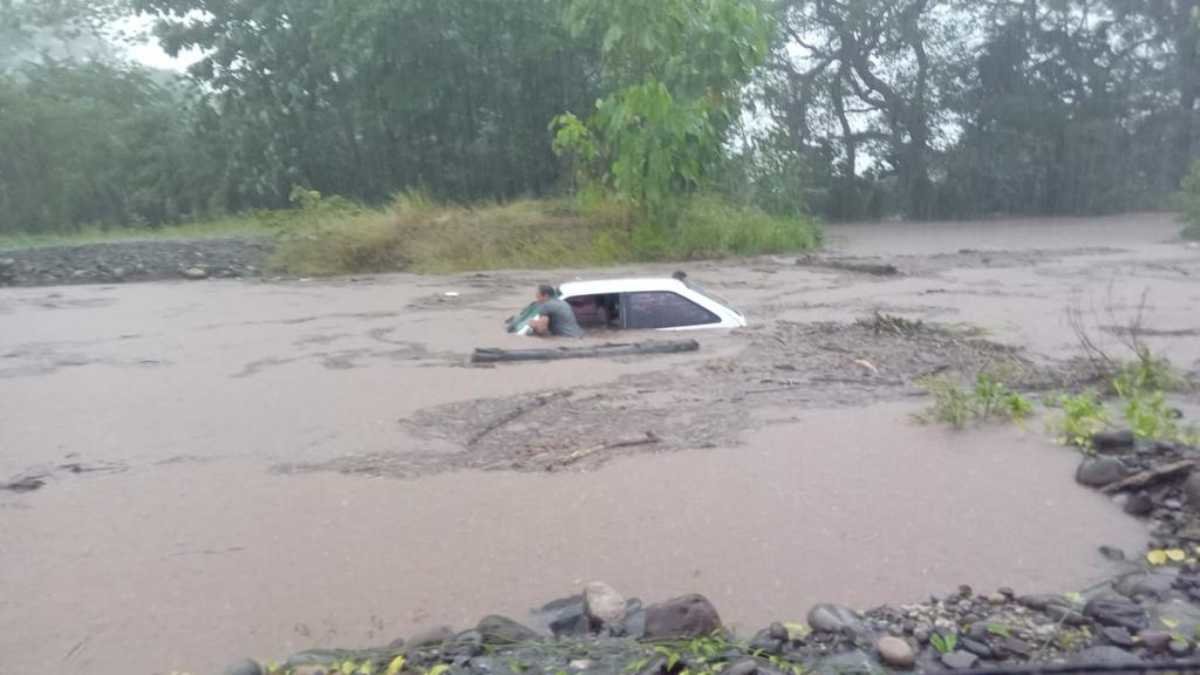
(245, 667)
(1154, 640)
(503, 630)
(896, 652)
(1107, 655)
(195, 273)
(1112, 553)
(687, 616)
(1017, 646)
(581, 665)
(604, 606)
(743, 667)
(1191, 489)
(997, 598)
(1173, 504)
(1116, 611)
(959, 660)
(1007, 592)
(829, 618)
(1100, 472)
(466, 644)
(1179, 648)
(964, 591)
(922, 634)
(1139, 504)
(976, 647)
(1118, 636)
(1155, 584)
(434, 635)
(764, 642)
(565, 617)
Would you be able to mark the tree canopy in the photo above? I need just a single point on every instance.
(847, 108)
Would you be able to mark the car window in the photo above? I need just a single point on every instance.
(663, 309)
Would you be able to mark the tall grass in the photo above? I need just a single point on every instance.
(418, 234)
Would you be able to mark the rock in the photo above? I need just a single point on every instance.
(1118, 636)
(434, 635)
(766, 643)
(466, 645)
(1116, 611)
(959, 660)
(316, 657)
(779, 632)
(1109, 441)
(565, 617)
(1107, 655)
(997, 598)
(854, 662)
(1007, 592)
(1181, 617)
(1139, 504)
(1191, 489)
(922, 634)
(742, 667)
(1100, 472)
(246, 667)
(976, 647)
(1055, 606)
(828, 618)
(896, 652)
(580, 665)
(1179, 648)
(1017, 646)
(311, 670)
(1153, 584)
(195, 273)
(635, 619)
(1112, 553)
(503, 630)
(1154, 640)
(603, 606)
(687, 616)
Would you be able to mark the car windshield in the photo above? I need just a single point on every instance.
(375, 337)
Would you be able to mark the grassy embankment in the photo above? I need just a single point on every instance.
(333, 236)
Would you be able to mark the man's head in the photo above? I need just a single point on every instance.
(545, 292)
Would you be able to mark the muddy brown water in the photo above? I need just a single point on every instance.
(187, 550)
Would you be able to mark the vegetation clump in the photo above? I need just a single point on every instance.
(957, 406)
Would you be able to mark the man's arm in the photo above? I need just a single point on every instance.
(540, 325)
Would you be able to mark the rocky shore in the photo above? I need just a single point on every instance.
(1147, 615)
(134, 261)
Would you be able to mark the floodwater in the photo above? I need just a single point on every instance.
(184, 550)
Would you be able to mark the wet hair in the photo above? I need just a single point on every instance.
(546, 290)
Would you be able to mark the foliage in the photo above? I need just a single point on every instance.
(1083, 415)
(989, 399)
(1189, 203)
(675, 68)
(420, 234)
(944, 643)
(1142, 387)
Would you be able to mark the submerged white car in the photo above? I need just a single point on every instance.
(641, 304)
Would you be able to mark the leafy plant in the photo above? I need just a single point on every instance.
(1083, 415)
(944, 643)
(989, 399)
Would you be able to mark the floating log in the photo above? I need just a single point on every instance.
(485, 355)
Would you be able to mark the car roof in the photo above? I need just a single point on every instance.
(599, 286)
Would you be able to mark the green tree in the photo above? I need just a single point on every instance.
(675, 69)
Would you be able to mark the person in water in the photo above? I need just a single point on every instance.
(555, 317)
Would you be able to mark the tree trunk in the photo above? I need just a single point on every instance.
(1187, 45)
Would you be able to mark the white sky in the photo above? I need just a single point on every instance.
(143, 47)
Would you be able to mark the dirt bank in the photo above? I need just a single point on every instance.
(192, 396)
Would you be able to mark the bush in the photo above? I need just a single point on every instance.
(417, 234)
(990, 399)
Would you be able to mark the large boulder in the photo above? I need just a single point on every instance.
(565, 617)
(687, 616)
